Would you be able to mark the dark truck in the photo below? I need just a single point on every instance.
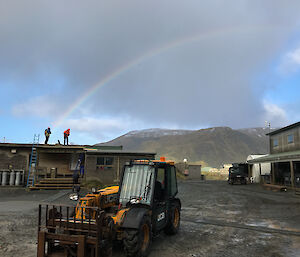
(238, 173)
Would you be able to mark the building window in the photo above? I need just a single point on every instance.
(104, 167)
(290, 139)
(275, 142)
(105, 161)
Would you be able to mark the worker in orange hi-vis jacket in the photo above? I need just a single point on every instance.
(66, 136)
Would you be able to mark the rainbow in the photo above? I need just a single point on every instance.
(142, 58)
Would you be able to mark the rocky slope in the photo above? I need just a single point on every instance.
(214, 146)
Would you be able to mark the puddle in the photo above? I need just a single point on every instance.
(189, 208)
(271, 224)
(258, 224)
(233, 212)
(237, 240)
(264, 236)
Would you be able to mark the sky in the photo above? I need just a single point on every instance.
(104, 68)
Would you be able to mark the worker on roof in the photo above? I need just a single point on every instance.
(66, 136)
(47, 135)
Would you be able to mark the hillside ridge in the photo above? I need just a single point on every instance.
(214, 146)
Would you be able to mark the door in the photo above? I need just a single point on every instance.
(160, 205)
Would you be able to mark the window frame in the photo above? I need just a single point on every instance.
(288, 139)
(277, 142)
(105, 166)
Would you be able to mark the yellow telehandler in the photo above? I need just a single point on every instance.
(142, 206)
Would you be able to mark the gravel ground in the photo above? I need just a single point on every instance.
(217, 220)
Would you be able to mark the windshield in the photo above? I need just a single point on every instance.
(234, 170)
(137, 184)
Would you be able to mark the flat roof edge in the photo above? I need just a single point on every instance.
(89, 151)
(282, 157)
(284, 129)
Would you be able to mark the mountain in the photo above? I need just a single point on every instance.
(214, 146)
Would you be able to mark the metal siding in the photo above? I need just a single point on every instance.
(284, 146)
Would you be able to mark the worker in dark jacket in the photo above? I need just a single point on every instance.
(76, 185)
(47, 135)
(66, 136)
(75, 177)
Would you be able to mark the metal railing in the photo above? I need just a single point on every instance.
(60, 230)
(62, 217)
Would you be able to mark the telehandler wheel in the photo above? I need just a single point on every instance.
(137, 241)
(174, 220)
(107, 251)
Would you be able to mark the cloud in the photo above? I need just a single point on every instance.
(276, 115)
(104, 128)
(40, 106)
(89, 124)
(208, 81)
(290, 62)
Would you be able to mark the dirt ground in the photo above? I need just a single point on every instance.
(217, 219)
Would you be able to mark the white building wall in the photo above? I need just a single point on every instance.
(265, 168)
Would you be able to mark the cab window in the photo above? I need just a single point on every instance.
(159, 191)
(173, 182)
(161, 177)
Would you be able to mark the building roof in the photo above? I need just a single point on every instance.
(119, 152)
(50, 146)
(87, 148)
(279, 157)
(107, 147)
(255, 156)
(284, 129)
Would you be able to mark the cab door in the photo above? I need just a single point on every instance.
(160, 200)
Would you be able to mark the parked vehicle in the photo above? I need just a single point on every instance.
(144, 205)
(238, 173)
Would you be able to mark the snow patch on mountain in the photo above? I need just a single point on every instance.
(157, 132)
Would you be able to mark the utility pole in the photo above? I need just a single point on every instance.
(268, 124)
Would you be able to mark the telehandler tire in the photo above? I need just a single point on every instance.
(174, 220)
(137, 241)
(107, 251)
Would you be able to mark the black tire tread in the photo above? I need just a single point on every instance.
(132, 240)
(170, 229)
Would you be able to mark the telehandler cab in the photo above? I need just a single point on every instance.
(141, 207)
